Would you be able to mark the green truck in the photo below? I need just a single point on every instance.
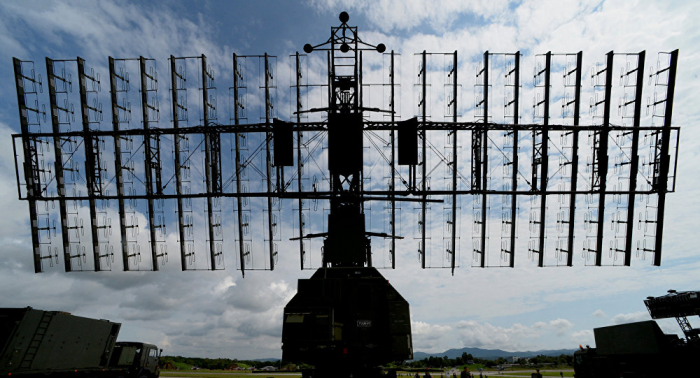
(642, 349)
(36, 343)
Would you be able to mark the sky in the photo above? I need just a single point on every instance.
(222, 314)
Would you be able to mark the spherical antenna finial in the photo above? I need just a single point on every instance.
(308, 48)
(381, 48)
(344, 17)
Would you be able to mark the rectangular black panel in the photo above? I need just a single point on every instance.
(345, 143)
(284, 143)
(346, 243)
(408, 141)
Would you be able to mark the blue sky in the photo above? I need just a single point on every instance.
(219, 314)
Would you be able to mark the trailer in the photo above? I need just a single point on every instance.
(346, 322)
(37, 343)
(641, 349)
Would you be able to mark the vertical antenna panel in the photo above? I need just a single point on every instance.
(26, 84)
(661, 181)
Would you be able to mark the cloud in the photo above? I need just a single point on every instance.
(140, 315)
(220, 314)
(429, 337)
(539, 325)
(267, 325)
(561, 326)
(106, 29)
(485, 335)
(630, 317)
(257, 294)
(583, 337)
(395, 15)
(473, 333)
(151, 299)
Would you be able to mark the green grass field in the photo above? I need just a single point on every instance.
(222, 374)
(273, 374)
(545, 373)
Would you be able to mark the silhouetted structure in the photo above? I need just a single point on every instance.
(114, 165)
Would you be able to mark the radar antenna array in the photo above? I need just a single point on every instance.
(122, 176)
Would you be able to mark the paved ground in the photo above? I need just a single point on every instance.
(198, 374)
(262, 375)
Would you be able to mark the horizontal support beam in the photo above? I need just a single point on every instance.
(326, 195)
(321, 126)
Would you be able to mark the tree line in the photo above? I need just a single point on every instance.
(467, 359)
(215, 363)
(429, 362)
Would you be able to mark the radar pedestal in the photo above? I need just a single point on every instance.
(346, 320)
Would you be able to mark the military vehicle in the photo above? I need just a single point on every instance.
(36, 343)
(346, 320)
(641, 349)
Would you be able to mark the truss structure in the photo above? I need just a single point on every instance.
(677, 305)
(216, 179)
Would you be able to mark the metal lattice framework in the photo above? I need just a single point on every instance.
(677, 305)
(112, 164)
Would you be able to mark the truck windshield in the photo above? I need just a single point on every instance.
(126, 355)
(9, 318)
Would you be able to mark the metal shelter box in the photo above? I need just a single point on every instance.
(36, 340)
(344, 316)
(633, 338)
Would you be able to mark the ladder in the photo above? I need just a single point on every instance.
(38, 337)
(688, 331)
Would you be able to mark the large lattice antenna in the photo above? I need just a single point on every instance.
(340, 175)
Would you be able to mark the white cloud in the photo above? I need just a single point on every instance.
(13, 228)
(219, 314)
(517, 337)
(583, 337)
(122, 31)
(224, 285)
(485, 335)
(630, 317)
(392, 15)
(539, 325)
(429, 337)
(256, 294)
(561, 326)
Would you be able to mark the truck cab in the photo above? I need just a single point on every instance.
(136, 359)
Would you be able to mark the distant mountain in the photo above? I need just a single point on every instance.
(491, 354)
(266, 359)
